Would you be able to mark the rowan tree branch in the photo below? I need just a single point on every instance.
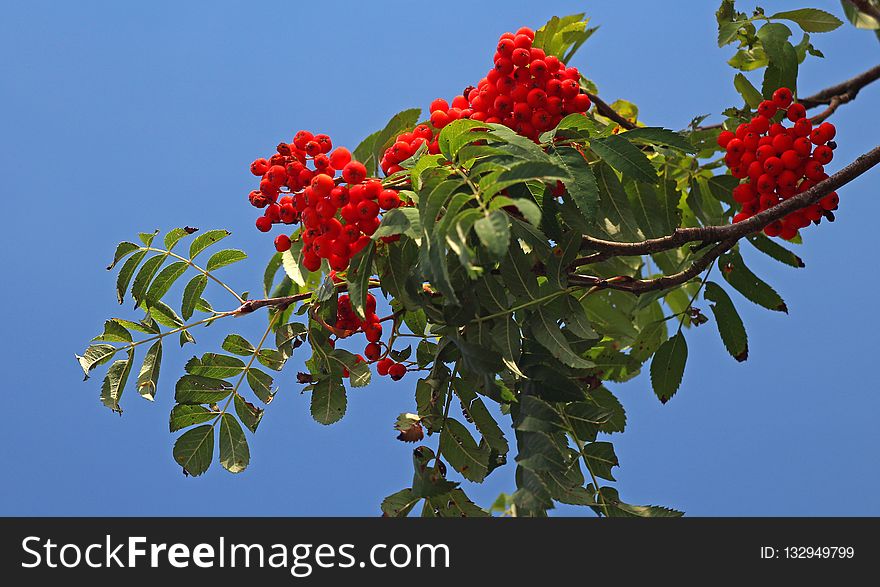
(757, 222)
(607, 111)
(832, 96)
(640, 286)
(283, 302)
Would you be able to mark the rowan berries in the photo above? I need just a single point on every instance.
(397, 371)
(777, 163)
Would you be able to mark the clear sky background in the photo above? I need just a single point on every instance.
(121, 117)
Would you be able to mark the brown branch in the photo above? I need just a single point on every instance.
(866, 7)
(850, 86)
(832, 96)
(607, 111)
(284, 301)
(640, 286)
(757, 222)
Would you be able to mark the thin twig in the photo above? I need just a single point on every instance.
(844, 92)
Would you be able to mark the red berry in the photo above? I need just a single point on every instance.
(264, 224)
(724, 138)
(259, 167)
(439, 104)
(373, 332)
(397, 371)
(767, 109)
(354, 172)
(388, 199)
(782, 97)
(277, 175)
(282, 243)
(340, 157)
(311, 261)
(383, 366)
(372, 351)
(796, 112)
(823, 154)
(301, 139)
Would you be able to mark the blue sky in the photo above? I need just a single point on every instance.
(122, 117)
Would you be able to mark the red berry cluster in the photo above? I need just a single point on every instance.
(526, 90)
(348, 323)
(338, 219)
(778, 162)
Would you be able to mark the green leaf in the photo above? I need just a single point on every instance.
(462, 451)
(655, 135)
(360, 269)
(400, 504)
(165, 279)
(454, 504)
(205, 240)
(249, 413)
(619, 509)
(523, 172)
(261, 383)
(667, 367)
(370, 150)
(774, 250)
(358, 371)
(285, 336)
(114, 382)
(457, 134)
(615, 219)
(625, 157)
(655, 211)
(148, 379)
(602, 459)
(238, 345)
(730, 325)
(215, 365)
(185, 415)
(224, 258)
(781, 73)
(736, 273)
(811, 20)
(750, 93)
(494, 232)
(192, 293)
(114, 332)
(95, 355)
(123, 250)
(581, 183)
(126, 273)
(475, 410)
(271, 358)
(234, 452)
(196, 389)
(605, 399)
(147, 237)
(547, 333)
(194, 450)
(517, 274)
(399, 221)
(269, 274)
(145, 276)
(174, 236)
(164, 315)
(773, 37)
(529, 210)
(328, 400)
